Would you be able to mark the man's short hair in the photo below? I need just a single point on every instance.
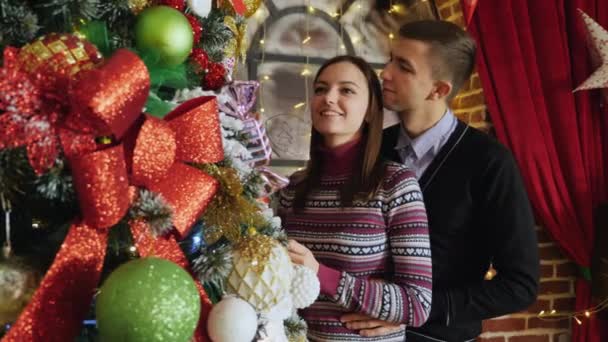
(452, 49)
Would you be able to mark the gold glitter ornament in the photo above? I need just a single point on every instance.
(261, 273)
(136, 6)
(18, 282)
(62, 54)
(236, 46)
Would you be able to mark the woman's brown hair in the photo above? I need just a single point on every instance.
(369, 168)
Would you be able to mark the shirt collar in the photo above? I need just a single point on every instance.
(429, 139)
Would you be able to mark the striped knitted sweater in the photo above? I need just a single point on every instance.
(374, 256)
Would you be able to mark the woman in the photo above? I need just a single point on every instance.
(359, 222)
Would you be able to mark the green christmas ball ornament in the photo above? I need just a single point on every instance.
(150, 300)
(166, 31)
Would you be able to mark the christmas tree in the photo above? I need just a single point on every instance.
(132, 177)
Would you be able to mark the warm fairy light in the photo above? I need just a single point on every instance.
(335, 15)
(262, 41)
(132, 249)
(266, 77)
(306, 40)
(259, 13)
(391, 36)
(311, 9)
(396, 9)
(342, 46)
(262, 110)
(587, 314)
(305, 72)
(553, 312)
(542, 312)
(577, 320)
(299, 105)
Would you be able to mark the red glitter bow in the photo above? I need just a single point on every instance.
(108, 101)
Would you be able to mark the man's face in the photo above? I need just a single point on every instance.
(408, 83)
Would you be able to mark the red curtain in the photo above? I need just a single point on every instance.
(532, 54)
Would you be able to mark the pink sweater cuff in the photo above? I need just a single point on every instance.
(329, 279)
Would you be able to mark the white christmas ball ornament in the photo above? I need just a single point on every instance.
(261, 273)
(305, 287)
(200, 7)
(221, 324)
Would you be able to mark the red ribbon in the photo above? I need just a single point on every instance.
(107, 101)
(239, 6)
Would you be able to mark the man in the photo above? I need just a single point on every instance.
(478, 210)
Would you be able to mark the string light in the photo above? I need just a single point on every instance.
(259, 13)
(306, 71)
(132, 249)
(396, 9)
(265, 77)
(341, 41)
(560, 316)
(391, 35)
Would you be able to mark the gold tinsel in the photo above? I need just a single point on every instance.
(136, 6)
(236, 46)
(257, 249)
(229, 210)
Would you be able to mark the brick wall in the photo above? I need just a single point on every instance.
(557, 272)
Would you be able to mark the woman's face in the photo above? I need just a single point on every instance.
(339, 103)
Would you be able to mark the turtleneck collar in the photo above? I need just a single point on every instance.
(341, 159)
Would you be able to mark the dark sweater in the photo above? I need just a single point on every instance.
(478, 213)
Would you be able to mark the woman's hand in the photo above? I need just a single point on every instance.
(302, 256)
(369, 327)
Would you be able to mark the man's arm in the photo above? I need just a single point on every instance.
(507, 214)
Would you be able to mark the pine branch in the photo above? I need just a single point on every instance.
(15, 173)
(215, 35)
(62, 15)
(18, 23)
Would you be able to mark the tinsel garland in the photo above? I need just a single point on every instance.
(229, 199)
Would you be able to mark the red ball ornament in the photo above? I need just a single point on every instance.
(197, 29)
(179, 5)
(214, 78)
(200, 59)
